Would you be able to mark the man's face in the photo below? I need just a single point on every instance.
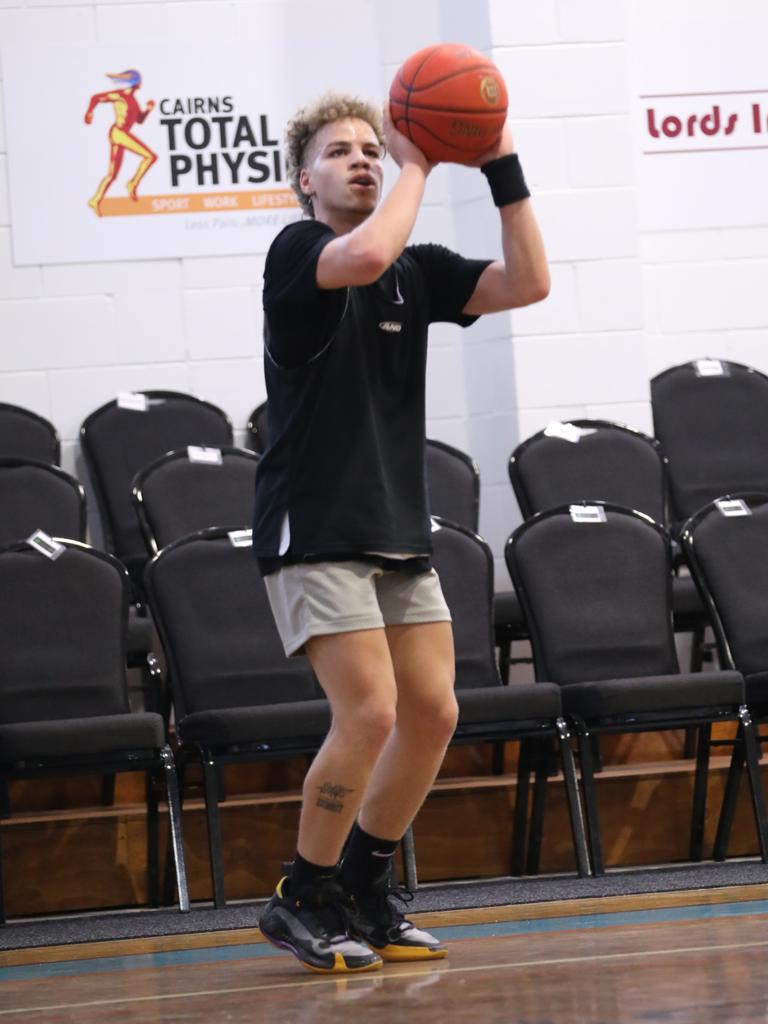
(343, 172)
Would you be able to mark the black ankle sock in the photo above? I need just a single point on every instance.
(304, 872)
(366, 861)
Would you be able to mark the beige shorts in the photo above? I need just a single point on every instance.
(318, 598)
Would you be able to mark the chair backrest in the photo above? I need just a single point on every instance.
(118, 442)
(596, 590)
(25, 435)
(39, 496)
(464, 564)
(728, 558)
(453, 483)
(587, 460)
(258, 429)
(178, 494)
(62, 634)
(223, 650)
(713, 430)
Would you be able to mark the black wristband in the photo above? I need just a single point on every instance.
(505, 177)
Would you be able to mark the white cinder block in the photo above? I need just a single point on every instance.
(438, 190)
(708, 296)
(600, 151)
(434, 224)
(190, 21)
(558, 313)
(44, 333)
(111, 277)
(543, 150)
(589, 225)
(404, 27)
(444, 335)
(590, 21)
(150, 327)
(720, 244)
(236, 385)
(478, 230)
(16, 282)
(77, 393)
(52, 24)
(3, 145)
(491, 440)
(452, 432)
(489, 375)
(223, 272)
(748, 347)
(522, 24)
(467, 183)
(581, 369)
(610, 294)
(531, 421)
(565, 80)
(5, 215)
(490, 327)
(665, 350)
(633, 414)
(464, 22)
(29, 390)
(222, 322)
(445, 384)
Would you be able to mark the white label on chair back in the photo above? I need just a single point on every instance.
(733, 507)
(241, 538)
(435, 526)
(133, 400)
(587, 513)
(211, 456)
(567, 431)
(46, 545)
(710, 368)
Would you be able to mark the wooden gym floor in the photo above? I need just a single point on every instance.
(696, 957)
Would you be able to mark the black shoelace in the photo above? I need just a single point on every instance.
(328, 904)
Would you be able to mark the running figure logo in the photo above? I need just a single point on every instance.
(127, 112)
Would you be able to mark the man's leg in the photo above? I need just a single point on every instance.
(423, 660)
(305, 915)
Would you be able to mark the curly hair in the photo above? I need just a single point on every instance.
(303, 127)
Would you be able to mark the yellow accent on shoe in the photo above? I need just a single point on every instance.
(340, 967)
(402, 954)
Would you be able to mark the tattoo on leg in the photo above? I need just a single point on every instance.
(332, 795)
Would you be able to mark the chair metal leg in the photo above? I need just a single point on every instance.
(176, 838)
(211, 786)
(5, 799)
(505, 656)
(752, 754)
(575, 810)
(542, 758)
(698, 813)
(497, 757)
(728, 806)
(520, 814)
(108, 790)
(590, 800)
(153, 892)
(409, 860)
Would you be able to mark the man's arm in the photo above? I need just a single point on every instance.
(361, 256)
(522, 277)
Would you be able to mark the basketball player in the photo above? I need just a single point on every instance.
(342, 528)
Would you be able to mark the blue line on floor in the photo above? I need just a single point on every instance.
(499, 929)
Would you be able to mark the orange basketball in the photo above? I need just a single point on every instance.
(451, 101)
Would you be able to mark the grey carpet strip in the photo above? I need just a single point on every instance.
(145, 923)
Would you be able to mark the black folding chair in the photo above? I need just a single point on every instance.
(491, 712)
(118, 442)
(726, 545)
(237, 697)
(25, 435)
(63, 687)
(257, 429)
(182, 492)
(711, 417)
(595, 584)
(39, 496)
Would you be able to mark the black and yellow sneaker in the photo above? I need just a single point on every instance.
(376, 920)
(312, 924)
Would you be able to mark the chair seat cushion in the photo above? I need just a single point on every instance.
(138, 637)
(517, 702)
(689, 691)
(757, 689)
(259, 724)
(686, 602)
(71, 737)
(507, 612)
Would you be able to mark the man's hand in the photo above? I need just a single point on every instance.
(503, 147)
(400, 148)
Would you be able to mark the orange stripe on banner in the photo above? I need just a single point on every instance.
(212, 202)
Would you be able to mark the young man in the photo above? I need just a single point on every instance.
(342, 528)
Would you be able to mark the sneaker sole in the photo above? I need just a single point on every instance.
(403, 954)
(339, 966)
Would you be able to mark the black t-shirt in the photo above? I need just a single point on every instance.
(345, 371)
